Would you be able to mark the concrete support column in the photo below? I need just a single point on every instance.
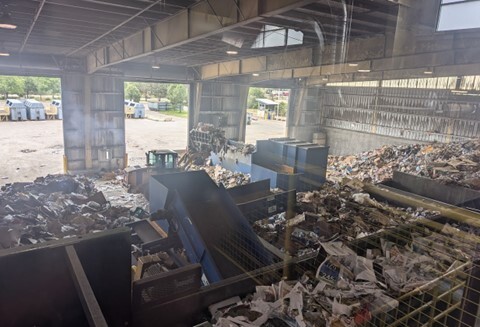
(304, 113)
(222, 104)
(195, 101)
(414, 19)
(93, 122)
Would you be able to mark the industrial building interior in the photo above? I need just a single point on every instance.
(366, 212)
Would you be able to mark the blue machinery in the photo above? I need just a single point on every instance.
(208, 223)
(288, 163)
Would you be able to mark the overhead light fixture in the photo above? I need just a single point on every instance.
(459, 91)
(232, 52)
(154, 61)
(6, 21)
(256, 74)
(325, 78)
(428, 72)
(3, 51)
(353, 65)
(364, 70)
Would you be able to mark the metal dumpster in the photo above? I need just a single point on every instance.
(139, 110)
(134, 109)
(35, 110)
(18, 111)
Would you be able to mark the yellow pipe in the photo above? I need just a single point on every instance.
(446, 210)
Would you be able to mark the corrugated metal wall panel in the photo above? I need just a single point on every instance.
(416, 114)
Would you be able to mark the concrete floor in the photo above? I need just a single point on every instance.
(35, 148)
(265, 129)
(30, 149)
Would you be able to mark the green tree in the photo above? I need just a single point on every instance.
(30, 86)
(144, 88)
(132, 92)
(3, 86)
(177, 94)
(48, 85)
(282, 109)
(11, 85)
(52, 86)
(159, 90)
(255, 93)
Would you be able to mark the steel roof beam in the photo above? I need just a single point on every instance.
(115, 28)
(53, 14)
(39, 10)
(112, 8)
(131, 5)
(203, 19)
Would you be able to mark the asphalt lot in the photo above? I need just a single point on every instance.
(32, 149)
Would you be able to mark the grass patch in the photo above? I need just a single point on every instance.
(175, 113)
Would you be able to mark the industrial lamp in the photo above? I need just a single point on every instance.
(3, 51)
(6, 21)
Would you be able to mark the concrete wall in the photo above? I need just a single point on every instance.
(94, 124)
(73, 100)
(304, 117)
(345, 142)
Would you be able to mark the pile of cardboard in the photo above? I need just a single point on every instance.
(449, 163)
(223, 176)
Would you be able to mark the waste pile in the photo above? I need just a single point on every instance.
(116, 193)
(348, 289)
(450, 163)
(207, 138)
(54, 207)
(240, 147)
(223, 176)
(336, 211)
